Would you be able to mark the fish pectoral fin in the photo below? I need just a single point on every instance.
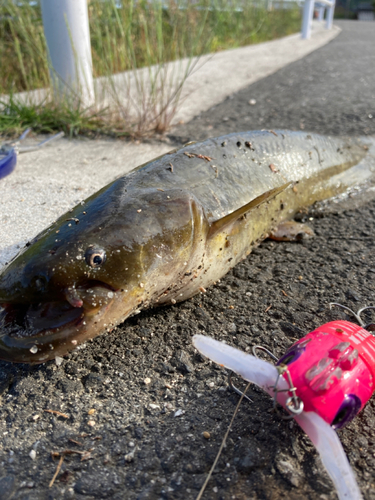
(221, 224)
(291, 230)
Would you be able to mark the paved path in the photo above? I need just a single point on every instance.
(331, 91)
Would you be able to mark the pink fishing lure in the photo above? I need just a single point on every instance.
(333, 369)
(323, 380)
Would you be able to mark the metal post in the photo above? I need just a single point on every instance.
(321, 10)
(308, 12)
(66, 28)
(329, 17)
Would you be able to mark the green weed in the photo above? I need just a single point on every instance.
(140, 34)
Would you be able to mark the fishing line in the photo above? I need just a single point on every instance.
(222, 444)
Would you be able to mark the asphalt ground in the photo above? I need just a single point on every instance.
(134, 403)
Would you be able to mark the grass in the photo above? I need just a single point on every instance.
(140, 34)
(47, 117)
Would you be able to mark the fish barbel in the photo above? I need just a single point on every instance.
(164, 232)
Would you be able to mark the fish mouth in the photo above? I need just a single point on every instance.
(36, 332)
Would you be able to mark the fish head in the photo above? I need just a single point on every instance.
(92, 268)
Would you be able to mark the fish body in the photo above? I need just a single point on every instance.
(163, 233)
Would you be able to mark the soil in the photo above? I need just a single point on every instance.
(136, 402)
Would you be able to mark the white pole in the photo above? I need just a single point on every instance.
(321, 13)
(66, 28)
(308, 12)
(330, 12)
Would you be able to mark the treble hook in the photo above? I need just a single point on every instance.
(293, 403)
(235, 389)
(369, 326)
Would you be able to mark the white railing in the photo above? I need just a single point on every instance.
(308, 14)
(66, 28)
(67, 33)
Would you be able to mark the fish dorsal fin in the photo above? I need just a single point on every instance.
(222, 223)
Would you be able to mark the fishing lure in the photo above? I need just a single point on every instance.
(323, 381)
(10, 150)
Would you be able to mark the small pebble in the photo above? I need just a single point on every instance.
(91, 412)
(206, 435)
(232, 328)
(58, 360)
(178, 413)
(252, 102)
(32, 454)
(154, 407)
(91, 423)
(34, 349)
(147, 380)
(300, 277)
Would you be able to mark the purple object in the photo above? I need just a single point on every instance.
(347, 411)
(8, 161)
(9, 151)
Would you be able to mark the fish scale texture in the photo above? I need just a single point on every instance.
(152, 394)
(251, 163)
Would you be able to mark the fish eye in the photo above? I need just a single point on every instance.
(95, 257)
